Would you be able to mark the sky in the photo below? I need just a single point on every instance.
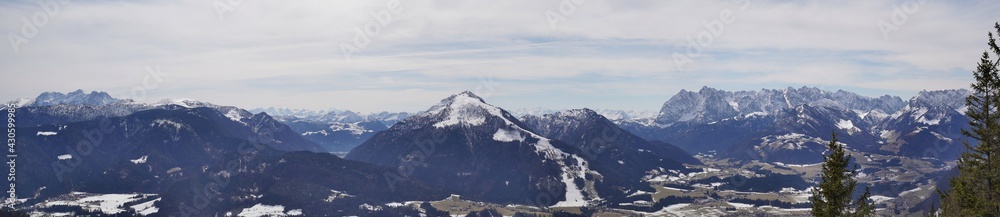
(386, 55)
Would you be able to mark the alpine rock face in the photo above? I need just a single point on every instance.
(709, 104)
(481, 151)
(930, 125)
(77, 97)
(791, 125)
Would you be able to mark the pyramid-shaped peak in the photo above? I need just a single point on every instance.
(466, 108)
(463, 98)
(469, 94)
(706, 88)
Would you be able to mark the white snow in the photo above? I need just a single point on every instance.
(740, 205)
(354, 128)
(755, 114)
(165, 122)
(795, 165)
(676, 189)
(316, 132)
(235, 116)
(909, 191)
(111, 203)
(926, 121)
(260, 210)
(638, 192)
(465, 109)
(845, 124)
(183, 102)
(369, 207)
(792, 141)
(46, 133)
(672, 210)
(962, 109)
(920, 116)
(336, 195)
(785, 211)
(20, 102)
(687, 117)
(880, 198)
(616, 115)
(140, 160)
(574, 197)
(146, 208)
(105, 203)
(941, 137)
(65, 157)
(503, 135)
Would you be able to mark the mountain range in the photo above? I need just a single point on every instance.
(187, 157)
(791, 125)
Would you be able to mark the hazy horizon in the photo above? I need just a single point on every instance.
(487, 97)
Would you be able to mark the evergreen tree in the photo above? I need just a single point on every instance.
(974, 192)
(833, 196)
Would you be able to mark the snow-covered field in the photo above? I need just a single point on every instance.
(104, 203)
(260, 210)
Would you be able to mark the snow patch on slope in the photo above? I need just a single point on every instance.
(574, 196)
(146, 208)
(791, 141)
(235, 116)
(354, 128)
(845, 124)
(183, 102)
(165, 122)
(260, 210)
(507, 136)
(140, 160)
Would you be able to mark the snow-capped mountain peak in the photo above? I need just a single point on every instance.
(484, 130)
(940, 98)
(183, 102)
(709, 104)
(464, 108)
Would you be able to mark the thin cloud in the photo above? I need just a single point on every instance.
(288, 54)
